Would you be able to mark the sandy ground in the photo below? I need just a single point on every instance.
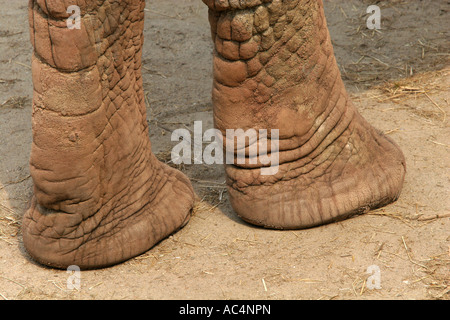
(399, 78)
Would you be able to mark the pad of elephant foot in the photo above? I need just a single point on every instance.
(121, 228)
(357, 171)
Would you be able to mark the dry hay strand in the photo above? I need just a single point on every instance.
(424, 86)
(438, 279)
(9, 224)
(12, 217)
(15, 103)
(200, 206)
(214, 195)
(394, 215)
(9, 183)
(166, 157)
(424, 83)
(211, 192)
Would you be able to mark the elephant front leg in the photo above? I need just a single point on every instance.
(274, 69)
(100, 195)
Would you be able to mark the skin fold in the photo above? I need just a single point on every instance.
(274, 68)
(100, 195)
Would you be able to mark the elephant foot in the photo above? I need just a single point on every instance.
(275, 69)
(100, 195)
(348, 173)
(128, 224)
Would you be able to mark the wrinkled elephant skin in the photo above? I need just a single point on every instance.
(100, 195)
(274, 68)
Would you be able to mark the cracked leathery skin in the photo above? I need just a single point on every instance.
(274, 68)
(100, 195)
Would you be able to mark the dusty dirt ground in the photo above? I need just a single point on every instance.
(399, 78)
